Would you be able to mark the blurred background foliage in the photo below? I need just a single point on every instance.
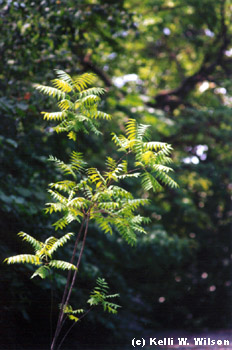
(166, 63)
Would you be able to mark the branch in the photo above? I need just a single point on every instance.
(65, 302)
(171, 99)
(79, 260)
(70, 328)
(88, 64)
(61, 314)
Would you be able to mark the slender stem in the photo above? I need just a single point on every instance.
(70, 328)
(118, 161)
(132, 170)
(63, 322)
(61, 314)
(72, 260)
(79, 260)
(52, 290)
(124, 155)
(65, 302)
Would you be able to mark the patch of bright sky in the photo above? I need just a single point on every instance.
(189, 160)
(112, 55)
(200, 155)
(166, 31)
(122, 33)
(201, 151)
(220, 90)
(121, 81)
(204, 86)
(228, 53)
(209, 33)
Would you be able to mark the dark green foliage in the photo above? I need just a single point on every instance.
(181, 54)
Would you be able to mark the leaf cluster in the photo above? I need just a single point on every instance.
(78, 104)
(43, 255)
(102, 194)
(71, 314)
(99, 195)
(100, 296)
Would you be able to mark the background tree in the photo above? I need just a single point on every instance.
(169, 64)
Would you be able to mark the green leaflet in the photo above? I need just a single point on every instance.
(60, 242)
(23, 258)
(43, 255)
(62, 265)
(35, 244)
(50, 91)
(99, 296)
(42, 272)
(77, 102)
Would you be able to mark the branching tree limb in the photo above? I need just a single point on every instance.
(171, 99)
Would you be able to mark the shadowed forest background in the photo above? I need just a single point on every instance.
(165, 63)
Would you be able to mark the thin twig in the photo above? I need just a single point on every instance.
(79, 260)
(73, 279)
(70, 328)
(52, 292)
(61, 314)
